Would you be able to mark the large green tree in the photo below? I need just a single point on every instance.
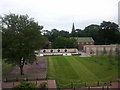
(92, 31)
(77, 33)
(109, 33)
(64, 33)
(21, 36)
(51, 35)
(63, 42)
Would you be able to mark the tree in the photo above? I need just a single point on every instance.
(108, 33)
(51, 35)
(63, 42)
(54, 34)
(92, 31)
(77, 33)
(64, 33)
(21, 37)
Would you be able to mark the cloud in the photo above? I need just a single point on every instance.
(61, 14)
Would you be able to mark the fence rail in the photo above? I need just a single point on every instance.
(83, 84)
(80, 84)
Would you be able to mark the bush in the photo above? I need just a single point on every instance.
(25, 86)
(43, 85)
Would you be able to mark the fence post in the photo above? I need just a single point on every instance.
(72, 85)
(74, 88)
(98, 83)
(89, 88)
(37, 78)
(102, 87)
(105, 84)
(16, 78)
(58, 88)
(13, 84)
(6, 79)
(26, 78)
(36, 83)
(85, 84)
(110, 83)
(107, 88)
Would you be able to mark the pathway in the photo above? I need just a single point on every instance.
(31, 71)
(51, 84)
(84, 54)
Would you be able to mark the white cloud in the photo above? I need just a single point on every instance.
(61, 14)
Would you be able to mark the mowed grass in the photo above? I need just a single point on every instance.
(67, 69)
(6, 67)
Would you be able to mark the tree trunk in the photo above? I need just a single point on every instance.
(21, 71)
(22, 61)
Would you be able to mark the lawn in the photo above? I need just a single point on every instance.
(6, 67)
(67, 69)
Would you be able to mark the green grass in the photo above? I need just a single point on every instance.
(6, 67)
(67, 69)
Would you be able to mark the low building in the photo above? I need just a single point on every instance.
(74, 50)
(82, 41)
(102, 49)
(57, 52)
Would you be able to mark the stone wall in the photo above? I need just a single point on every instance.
(102, 49)
(58, 51)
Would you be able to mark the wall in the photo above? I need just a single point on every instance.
(101, 49)
(56, 51)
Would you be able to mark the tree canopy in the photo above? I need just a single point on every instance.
(21, 37)
(109, 33)
(63, 42)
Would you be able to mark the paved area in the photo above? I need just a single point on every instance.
(31, 71)
(51, 84)
(84, 54)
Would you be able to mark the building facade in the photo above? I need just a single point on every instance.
(82, 41)
(102, 49)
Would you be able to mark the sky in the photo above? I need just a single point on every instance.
(61, 14)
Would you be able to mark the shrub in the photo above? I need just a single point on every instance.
(43, 85)
(25, 86)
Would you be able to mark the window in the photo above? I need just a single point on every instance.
(65, 50)
(58, 50)
(51, 51)
(44, 51)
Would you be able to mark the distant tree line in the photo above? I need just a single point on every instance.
(104, 34)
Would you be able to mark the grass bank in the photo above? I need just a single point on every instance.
(75, 69)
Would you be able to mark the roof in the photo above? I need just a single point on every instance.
(84, 39)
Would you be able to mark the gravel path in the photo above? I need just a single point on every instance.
(36, 70)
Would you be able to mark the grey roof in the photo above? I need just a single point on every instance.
(84, 39)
